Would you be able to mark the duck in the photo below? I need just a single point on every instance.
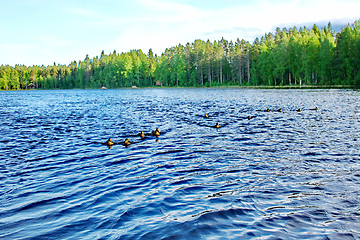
(298, 110)
(316, 108)
(249, 117)
(267, 110)
(156, 132)
(217, 125)
(109, 142)
(206, 115)
(141, 134)
(127, 142)
(279, 110)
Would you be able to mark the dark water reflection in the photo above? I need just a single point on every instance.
(287, 175)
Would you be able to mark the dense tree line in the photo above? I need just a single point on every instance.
(286, 57)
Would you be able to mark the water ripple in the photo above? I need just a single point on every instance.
(285, 175)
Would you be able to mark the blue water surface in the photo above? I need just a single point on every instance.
(277, 175)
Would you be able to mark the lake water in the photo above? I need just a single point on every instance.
(278, 175)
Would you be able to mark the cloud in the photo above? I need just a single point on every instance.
(336, 24)
(299, 11)
(162, 24)
(166, 7)
(53, 41)
(75, 28)
(82, 12)
(15, 46)
(252, 21)
(248, 33)
(15, 53)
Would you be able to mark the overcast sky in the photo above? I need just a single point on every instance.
(41, 32)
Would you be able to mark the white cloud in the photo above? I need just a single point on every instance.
(300, 11)
(166, 7)
(164, 24)
(15, 46)
(13, 54)
(53, 41)
(82, 12)
(88, 28)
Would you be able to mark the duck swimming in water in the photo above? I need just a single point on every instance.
(156, 132)
(279, 110)
(206, 115)
(314, 109)
(298, 110)
(109, 142)
(217, 125)
(141, 134)
(127, 142)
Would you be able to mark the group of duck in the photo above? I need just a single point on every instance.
(297, 110)
(127, 142)
(156, 132)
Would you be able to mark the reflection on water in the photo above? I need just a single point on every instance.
(263, 174)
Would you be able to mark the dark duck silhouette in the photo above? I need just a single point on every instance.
(217, 125)
(109, 142)
(141, 134)
(156, 133)
(127, 142)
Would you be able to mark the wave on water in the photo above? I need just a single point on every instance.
(273, 175)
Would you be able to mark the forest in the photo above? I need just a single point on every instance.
(286, 57)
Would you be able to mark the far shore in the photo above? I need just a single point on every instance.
(258, 87)
(215, 87)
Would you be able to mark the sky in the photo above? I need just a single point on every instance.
(41, 32)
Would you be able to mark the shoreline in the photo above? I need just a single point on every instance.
(353, 87)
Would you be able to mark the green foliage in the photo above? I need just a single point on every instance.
(286, 57)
